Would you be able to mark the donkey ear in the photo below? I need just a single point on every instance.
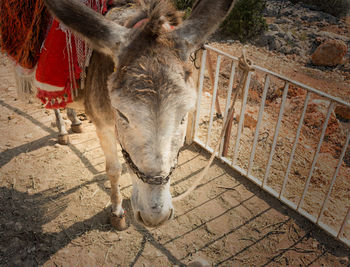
(204, 20)
(104, 35)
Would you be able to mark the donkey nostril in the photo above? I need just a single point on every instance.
(157, 208)
(139, 218)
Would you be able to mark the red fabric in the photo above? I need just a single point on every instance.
(52, 78)
(52, 71)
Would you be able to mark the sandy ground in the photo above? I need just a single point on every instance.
(55, 204)
(336, 132)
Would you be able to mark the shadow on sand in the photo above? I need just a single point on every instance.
(24, 242)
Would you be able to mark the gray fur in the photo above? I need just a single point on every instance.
(142, 89)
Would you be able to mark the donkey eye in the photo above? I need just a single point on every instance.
(122, 116)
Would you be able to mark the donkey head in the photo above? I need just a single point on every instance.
(151, 90)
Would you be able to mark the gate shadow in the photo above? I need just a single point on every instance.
(23, 215)
(328, 243)
(23, 241)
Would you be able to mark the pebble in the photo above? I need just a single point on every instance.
(295, 25)
(16, 242)
(18, 226)
(199, 262)
(107, 185)
(28, 136)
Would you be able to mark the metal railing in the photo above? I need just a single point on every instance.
(247, 172)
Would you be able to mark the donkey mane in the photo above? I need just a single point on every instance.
(144, 55)
(160, 12)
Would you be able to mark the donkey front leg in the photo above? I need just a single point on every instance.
(62, 132)
(113, 169)
(76, 123)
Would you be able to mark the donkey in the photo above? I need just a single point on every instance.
(139, 90)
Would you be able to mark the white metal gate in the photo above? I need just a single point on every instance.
(206, 143)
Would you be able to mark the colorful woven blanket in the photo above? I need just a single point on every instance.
(23, 26)
(45, 47)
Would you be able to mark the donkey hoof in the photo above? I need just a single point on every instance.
(63, 139)
(118, 222)
(78, 128)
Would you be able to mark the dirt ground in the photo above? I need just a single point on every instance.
(55, 204)
(336, 132)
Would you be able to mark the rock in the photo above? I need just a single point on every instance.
(28, 136)
(266, 39)
(107, 184)
(321, 24)
(288, 11)
(16, 243)
(329, 53)
(199, 262)
(286, 50)
(283, 21)
(273, 8)
(18, 226)
(281, 34)
(342, 113)
(289, 37)
(312, 35)
(311, 18)
(275, 44)
(297, 51)
(274, 27)
(330, 35)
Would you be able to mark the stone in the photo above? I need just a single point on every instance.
(274, 27)
(289, 37)
(283, 21)
(321, 24)
(199, 262)
(342, 112)
(286, 50)
(297, 51)
(311, 18)
(107, 184)
(330, 53)
(275, 44)
(266, 39)
(18, 226)
(287, 12)
(331, 35)
(281, 34)
(28, 136)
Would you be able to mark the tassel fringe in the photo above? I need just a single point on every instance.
(24, 83)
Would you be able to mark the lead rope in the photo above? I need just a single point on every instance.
(246, 66)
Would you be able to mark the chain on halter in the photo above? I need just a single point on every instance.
(246, 66)
(194, 56)
(153, 180)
